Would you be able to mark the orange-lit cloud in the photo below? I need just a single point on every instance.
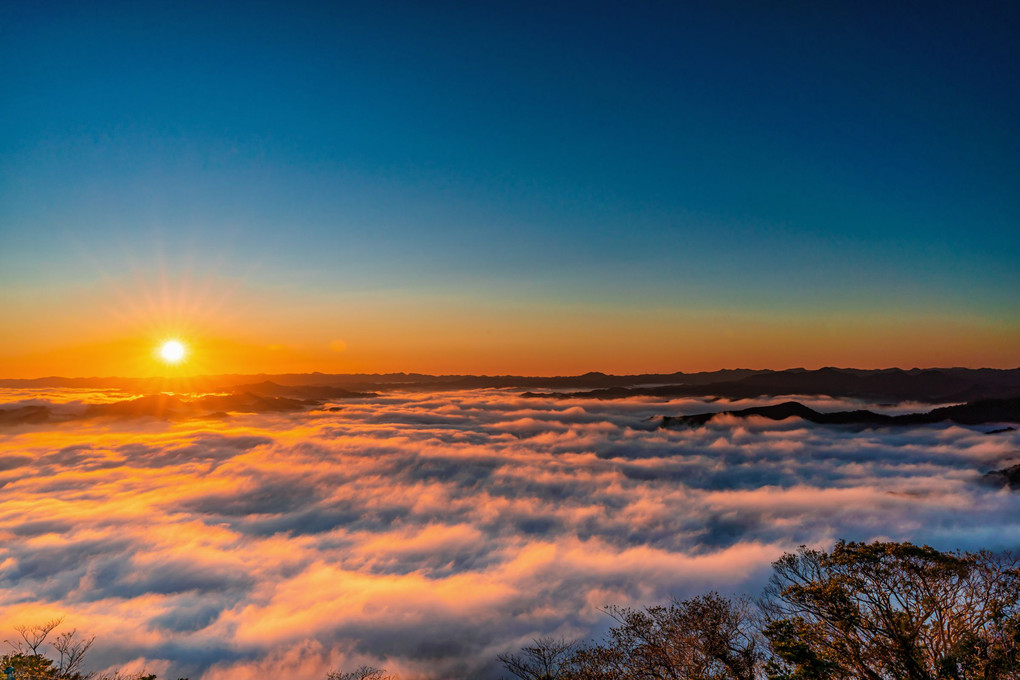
(429, 532)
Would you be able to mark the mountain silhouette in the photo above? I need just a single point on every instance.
(268, 388)
(173, 406)
(1007, 477)
(930, 385)
(974, 413)
(925, 385)
(24, 415)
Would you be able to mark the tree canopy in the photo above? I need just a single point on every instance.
(862, 611)
(893, 610)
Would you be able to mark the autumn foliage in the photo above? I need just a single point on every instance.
(878, 611)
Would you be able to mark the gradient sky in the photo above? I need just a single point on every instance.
(508, 187)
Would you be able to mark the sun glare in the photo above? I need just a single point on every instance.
(172, 351)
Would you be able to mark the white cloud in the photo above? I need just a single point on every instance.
(428, 532)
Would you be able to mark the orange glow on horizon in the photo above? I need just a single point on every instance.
(231, 326)
(565, 348)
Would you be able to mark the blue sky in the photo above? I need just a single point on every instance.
(794, 157)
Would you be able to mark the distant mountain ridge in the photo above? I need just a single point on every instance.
(268, 396)
(378, 381)
(974, 413)
(265, 397)
(944, 385)
(931, 385)
(268, 388)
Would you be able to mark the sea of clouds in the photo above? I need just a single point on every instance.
(428, 532)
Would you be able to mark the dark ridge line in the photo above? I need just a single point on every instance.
(260, 398)
(979, 412)
(1007, 477)
(924, 385)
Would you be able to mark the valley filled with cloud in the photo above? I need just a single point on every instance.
(427, 532)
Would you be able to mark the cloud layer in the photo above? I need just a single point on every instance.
(426, 533)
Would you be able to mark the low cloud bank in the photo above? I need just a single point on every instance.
(428, 532)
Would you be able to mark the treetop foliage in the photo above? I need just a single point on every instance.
(893, 610)
(862, 611)
(27, 661)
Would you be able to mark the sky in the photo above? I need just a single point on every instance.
(532, 188)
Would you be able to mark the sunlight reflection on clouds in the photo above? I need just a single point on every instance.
(426, 532)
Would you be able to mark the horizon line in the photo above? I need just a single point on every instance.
(503, 375)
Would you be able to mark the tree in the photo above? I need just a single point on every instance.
(546, 659)
(33, 636)
(29, 663)
(71, 650)
(892, 611)
(29, 666)
(705, 638)
(709, 637)
(360, 673)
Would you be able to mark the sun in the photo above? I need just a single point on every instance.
(172, 351)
